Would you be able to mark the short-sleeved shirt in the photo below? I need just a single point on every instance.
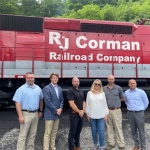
(113, 96)
(28, 97)
(77, 96)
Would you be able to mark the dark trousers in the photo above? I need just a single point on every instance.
(76, 123)
(136, 120)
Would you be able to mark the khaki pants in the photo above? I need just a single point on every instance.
(51, 128)
(115, 122)
(28, 131)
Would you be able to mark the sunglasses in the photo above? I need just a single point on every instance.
(97, 84)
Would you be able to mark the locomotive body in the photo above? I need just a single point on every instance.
(87, 49)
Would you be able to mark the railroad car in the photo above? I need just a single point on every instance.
(87, 49)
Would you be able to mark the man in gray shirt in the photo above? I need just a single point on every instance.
(114, 96)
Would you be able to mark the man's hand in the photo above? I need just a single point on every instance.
(40, 114)
(81, 113)
(58, 112)
(21, 119)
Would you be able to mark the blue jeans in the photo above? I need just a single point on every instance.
(98, 130)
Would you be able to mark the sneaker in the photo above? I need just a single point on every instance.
(109, 147)
(121, 148)
(95, 147)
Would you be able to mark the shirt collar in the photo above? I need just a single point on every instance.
(27, 85)
(54, 85)
(112, 87)
(134, 89)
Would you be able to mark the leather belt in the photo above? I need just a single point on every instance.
(73, 112)
(30, 111)
(135, 111)
(114, 108)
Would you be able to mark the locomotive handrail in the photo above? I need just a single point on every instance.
(32, 55)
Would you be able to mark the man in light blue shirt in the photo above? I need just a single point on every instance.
(28, 99)
(136, 101)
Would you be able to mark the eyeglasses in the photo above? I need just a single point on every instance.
(97, 84)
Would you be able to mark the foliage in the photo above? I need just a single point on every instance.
(29, 7)
(51, 8)
(84, 13)
(8, 6)
(115, 10)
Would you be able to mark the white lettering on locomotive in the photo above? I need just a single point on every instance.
(90, 57)
(55, 37)
(68, 56)
(119, 59)
(83, 42)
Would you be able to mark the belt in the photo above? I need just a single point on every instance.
(135, 111)
(30, 111)
(73, 112)
(114, 108)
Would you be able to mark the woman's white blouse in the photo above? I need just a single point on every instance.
(96, 105)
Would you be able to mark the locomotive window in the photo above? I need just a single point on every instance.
(106, 28)
(21, 23)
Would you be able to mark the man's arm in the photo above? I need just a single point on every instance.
(122, 99)
(61, 103)
(83, 111)
(121, 94)
(84, 106)
(19, 112)
(145, 100)
(41, 108)
(74, 106)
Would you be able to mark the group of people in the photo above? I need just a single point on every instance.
(101, 106)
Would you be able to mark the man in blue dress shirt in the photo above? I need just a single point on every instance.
(136, 101)
(28, 99)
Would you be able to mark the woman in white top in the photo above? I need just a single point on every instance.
(97, 111)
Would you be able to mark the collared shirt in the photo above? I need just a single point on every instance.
(28, 97)
(113, 96)
(136, 99)
(56, 89)
(77, 96)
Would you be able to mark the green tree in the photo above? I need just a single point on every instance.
(51, 8)
(109, 12)
(8, 6)
(84, 13)
(29, 7)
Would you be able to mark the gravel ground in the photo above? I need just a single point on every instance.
(9, 135)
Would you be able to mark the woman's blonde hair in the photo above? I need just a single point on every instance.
(100, 87)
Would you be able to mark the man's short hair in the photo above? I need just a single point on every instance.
(54, 74)
(29, 73)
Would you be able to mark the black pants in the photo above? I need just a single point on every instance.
(76, 123)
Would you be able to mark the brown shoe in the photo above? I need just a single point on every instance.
(77, 148)
(135, 148)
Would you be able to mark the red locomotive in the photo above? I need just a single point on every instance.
(71, 47)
